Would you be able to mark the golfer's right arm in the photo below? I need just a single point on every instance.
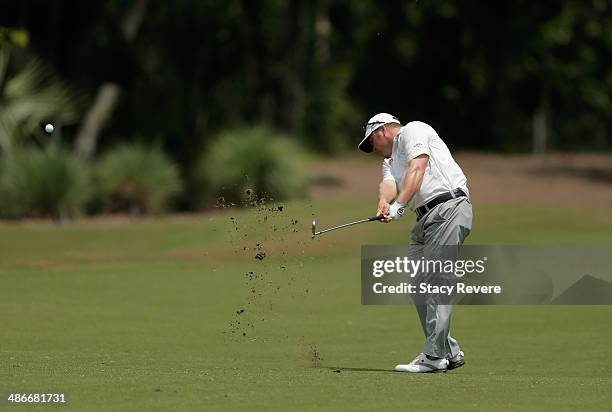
(387, 191)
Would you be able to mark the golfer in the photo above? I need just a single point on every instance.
(419, 173)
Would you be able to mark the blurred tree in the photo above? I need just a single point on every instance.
(30, 96)
(573, 59)
(108, 92)
(511, 76)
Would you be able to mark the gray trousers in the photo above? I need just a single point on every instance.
(447, 224)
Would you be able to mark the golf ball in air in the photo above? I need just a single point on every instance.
(49, 128)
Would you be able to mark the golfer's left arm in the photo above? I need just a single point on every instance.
(412, 184)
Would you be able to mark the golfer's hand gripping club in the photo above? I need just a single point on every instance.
(383, 210)
(396, 210)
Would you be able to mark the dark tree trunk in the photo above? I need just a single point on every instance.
(108, 93)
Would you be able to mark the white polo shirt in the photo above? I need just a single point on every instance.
(442, 174)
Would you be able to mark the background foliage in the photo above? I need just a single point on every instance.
(43, 183)
(250, 164)
(514, 77)
(136, 179)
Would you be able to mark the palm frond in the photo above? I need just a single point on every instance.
(29, 97)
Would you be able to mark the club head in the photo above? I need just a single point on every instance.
(313, 227)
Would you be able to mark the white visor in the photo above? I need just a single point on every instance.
(374, 123)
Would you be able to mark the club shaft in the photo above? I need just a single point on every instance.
(341, 226)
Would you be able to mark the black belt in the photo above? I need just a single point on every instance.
(444, 197)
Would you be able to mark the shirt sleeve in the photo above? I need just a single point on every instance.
(416, 140)
(386, 170)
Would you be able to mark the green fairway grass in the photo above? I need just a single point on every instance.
(165, 315)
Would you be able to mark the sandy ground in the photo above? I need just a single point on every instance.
(556, 180)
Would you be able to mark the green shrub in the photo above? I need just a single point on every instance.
(44, 183)
(136, 179)
(251, 162)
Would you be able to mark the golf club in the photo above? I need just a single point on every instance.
(371, 219)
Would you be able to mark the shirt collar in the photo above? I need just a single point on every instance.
(395, 141)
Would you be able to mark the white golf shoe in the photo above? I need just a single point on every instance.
(421, 364)
(456, 361)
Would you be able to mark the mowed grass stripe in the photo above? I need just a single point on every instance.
(147, 320)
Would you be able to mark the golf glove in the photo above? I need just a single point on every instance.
(396, 210)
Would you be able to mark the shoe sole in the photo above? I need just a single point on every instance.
(455, 365)
(431, 371)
